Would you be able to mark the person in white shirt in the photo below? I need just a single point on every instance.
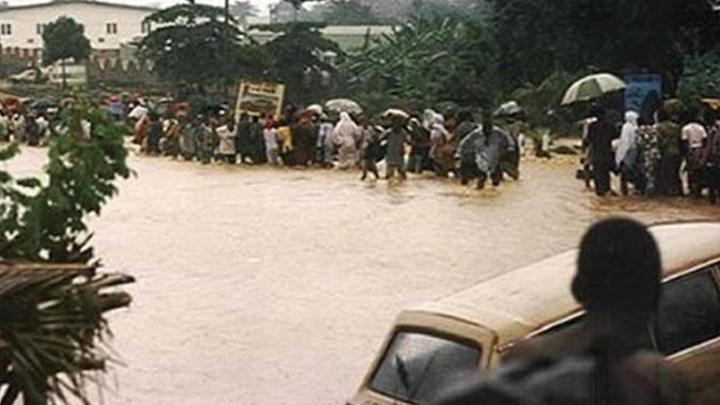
(18, 125)
(226, 136)
(694, 136)
(272, 147)
(325, 142)
(43, 126)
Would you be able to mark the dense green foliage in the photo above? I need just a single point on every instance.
(539, 37)
(297, 60)
(52, 325)
(193, 46)
(429, 60)
(701, 78)
(532, 50)
(45, 219)
(63, 39)
(470, 52)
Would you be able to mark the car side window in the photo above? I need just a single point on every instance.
(645, 341)
(689, 312)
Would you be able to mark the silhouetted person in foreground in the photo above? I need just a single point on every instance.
(602, 360)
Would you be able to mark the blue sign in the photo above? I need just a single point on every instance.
(643, 94)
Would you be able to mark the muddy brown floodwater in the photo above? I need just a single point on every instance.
(264, 286)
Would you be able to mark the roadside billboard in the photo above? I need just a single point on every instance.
(257, 98)
(643, 94)
(75, 74)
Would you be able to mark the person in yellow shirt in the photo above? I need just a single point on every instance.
(286, 147)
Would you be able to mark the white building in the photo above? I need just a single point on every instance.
(107, 25)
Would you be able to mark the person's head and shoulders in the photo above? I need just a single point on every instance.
(466, 124)
(599, 124)
(617, 283)
(396, 129)
(493, 133)
(668, 122)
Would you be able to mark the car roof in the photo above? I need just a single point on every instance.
(529, 298)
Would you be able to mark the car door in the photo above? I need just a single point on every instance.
(687, 330)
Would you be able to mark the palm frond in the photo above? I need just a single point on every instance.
(53, 327)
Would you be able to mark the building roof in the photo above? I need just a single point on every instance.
(524, 300)
(53, 3)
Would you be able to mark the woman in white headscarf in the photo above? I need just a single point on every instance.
(626, 154)
(345, 137)
(628, 137)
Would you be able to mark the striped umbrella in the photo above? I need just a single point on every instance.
(592, 87)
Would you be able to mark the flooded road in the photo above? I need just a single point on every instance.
(264, 286)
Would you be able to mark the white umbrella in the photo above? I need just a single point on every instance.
(138, 112)
(508, 109)
(316, 108)
(592, 87)
(344, 105)
(396, 113)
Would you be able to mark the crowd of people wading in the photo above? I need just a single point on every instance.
(450, 146)
(676, 155)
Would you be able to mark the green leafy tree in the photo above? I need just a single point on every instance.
(193, 46)
(52, 324)
(64, 39)
(297, 59)
(539, 37)
(45, 221)
(429, 60)
(701, 78)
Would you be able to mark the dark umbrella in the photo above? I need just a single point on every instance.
(447, 107)
(43, 104)
(213, 109)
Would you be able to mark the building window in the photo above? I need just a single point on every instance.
(111, 28)
(101, 40)
(145, 27)
(40, 28)
(31, 41)
(5, 29)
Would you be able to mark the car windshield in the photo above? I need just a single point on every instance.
(417, 365)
